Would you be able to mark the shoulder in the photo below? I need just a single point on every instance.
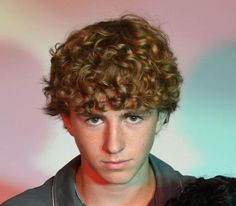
(170, 182)
(167, 173)
(62, 183)
(39, 196)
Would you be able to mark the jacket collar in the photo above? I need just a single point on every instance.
(64, 188)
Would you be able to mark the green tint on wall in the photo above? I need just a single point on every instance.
(209, 110)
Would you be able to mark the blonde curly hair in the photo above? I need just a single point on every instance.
(124, 63)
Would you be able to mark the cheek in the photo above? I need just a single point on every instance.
(143, 140)
(149, 135)
(147, 145)
(87, 142)
(147, 131)
(87, 150)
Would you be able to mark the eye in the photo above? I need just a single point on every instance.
(94, 121)
(134, 119)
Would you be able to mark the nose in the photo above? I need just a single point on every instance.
(114, 139)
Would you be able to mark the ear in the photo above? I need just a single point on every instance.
(162, 117)
(67, 123)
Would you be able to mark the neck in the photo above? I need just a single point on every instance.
(131, 193)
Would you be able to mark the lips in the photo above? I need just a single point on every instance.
(115, 164)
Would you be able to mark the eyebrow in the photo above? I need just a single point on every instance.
(125, 113)
(88, 114)
(138, 112)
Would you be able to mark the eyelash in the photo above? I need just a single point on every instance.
(92, 118)
(128, 117)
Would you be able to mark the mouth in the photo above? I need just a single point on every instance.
(115, 164)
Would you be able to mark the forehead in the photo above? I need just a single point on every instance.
(124, 111)
(103, 107)
(111, 114)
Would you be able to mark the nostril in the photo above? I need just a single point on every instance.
(114, 143)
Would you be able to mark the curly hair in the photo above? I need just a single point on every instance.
(216, 191)
(125, 63)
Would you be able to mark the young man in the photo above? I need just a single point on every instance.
(114, 84)
(216, 191)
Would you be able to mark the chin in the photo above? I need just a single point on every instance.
(117, 178)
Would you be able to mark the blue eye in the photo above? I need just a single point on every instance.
(94, 121)
(134, 119)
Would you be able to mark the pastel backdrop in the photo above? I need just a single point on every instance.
(200, 138)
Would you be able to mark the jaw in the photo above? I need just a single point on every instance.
(126, 176)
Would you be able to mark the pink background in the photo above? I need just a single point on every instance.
(200, 138)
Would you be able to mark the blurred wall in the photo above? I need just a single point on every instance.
(200, 138)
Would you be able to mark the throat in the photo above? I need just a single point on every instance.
(92, 194)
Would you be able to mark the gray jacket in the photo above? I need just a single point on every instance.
(60, 189)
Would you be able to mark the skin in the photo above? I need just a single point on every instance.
(114, 148)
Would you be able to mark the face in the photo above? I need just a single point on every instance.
(114, 145)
